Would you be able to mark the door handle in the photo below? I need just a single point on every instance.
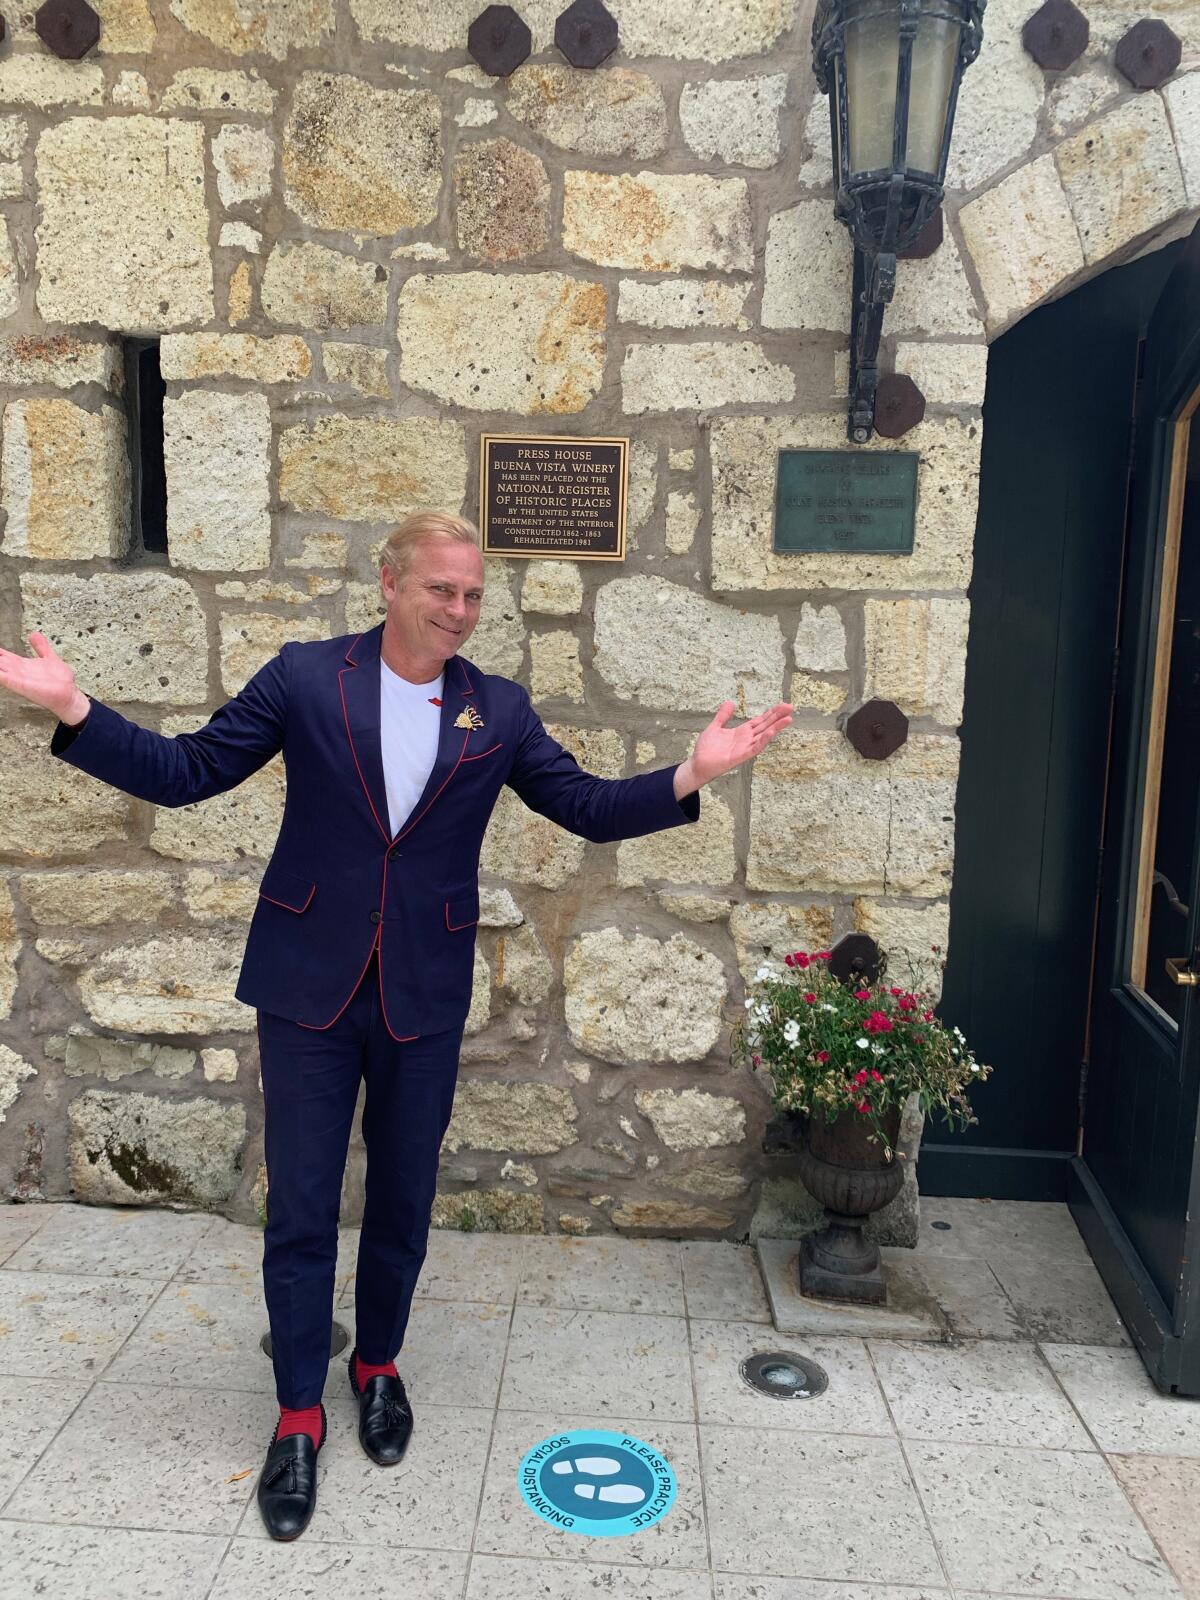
(1177, 970)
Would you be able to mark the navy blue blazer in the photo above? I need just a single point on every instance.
(338, 885)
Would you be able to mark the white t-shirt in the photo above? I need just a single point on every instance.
(409, 722)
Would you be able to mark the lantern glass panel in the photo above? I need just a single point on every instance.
(934, 53)
(872, 42)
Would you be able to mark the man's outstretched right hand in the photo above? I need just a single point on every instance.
(45, 679)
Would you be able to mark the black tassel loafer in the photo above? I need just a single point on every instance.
(385, 1419)
(287, 1485)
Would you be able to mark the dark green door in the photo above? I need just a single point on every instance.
(1134, 1186)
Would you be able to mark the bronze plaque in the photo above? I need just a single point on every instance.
(854, 500)
(553, 496)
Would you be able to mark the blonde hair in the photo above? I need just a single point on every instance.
(418, 526)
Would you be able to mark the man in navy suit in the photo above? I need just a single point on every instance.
(360, 954)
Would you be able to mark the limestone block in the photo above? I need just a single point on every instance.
(93, 1055)
(205, 89)
(123, 239)
(220, 897)
(320, 550)
(934, 296)
(525, 847)
(520, 1172)
(498, 643)
(14, 1070)
(644, 751)
(47, 808)
(553, 588)
(825, 819)
(10, 945)
(533, 343)
(909, 935)
(658, 222)
(137, 1149)
(177, 983)
(695, 907)
(807, 271)
(701, 376)
(915, 653)
(243, 822)
(364, 607)
(702, 852)
(217, 451)
(45, 81)
(554, 669)
(313, 287)
(743, 453)
(239, 300)
(64, 481)
(816, 170)
(735, 120)
(665, 1219)
(421, 250)
(359, 158)
(1022, 240)
(489, 1211)
(995, 121)
(282, 359)
(820, 642)
(359, 365)
(1121, 175)
(768, 930)
(816, 693)
(946, 374)
(691, 1119)
(57, 359)
(663, 645)
(611, 112)
(244, 161)
(642, 999)
(498, 909)
(476, 114)
(532, 1118)
(1074, 99)
(523, 969)
(249, 640)
(258, 27)
(643, 487)
(682, 303)
(370, 470)
(502, 201)
(240, 236)
(683, 518)
(600, 751)
(714, 1183)
(270, 591)
(220, 1066)
(681, 460)
(129, 636)
(480, 1009)
(89, 897)
(1182, 97)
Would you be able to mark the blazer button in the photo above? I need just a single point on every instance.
(393, 853)
(377, 916)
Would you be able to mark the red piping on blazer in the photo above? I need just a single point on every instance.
(479, 753)
(284, 904)
(382, 1001)
(453, 927)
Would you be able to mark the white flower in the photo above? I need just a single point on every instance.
(791, 1030)
(974, 1066)
(763, 972)
(763, 1013)
(877, 1048)
(825, 1006)
(957, 1032)
(863, 1044)
(749, 1001)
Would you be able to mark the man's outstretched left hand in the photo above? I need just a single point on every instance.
(720, 748)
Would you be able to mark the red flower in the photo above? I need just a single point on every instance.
(878, 1076)
(862, 994)
(811, 998)
(821, 955)
(919, 1037)
(796, 959)
(822, 1055)
(927, 1016)
(861, 1077)
(757, 1060)
(907, 1003)
(878, 1022)
(895, 991)
(863, 1105)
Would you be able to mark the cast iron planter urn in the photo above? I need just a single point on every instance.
(851, 1178)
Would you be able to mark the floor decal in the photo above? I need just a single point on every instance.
(598, 1483)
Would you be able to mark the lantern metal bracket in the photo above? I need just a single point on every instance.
(874, 285)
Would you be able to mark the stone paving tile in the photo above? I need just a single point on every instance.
(151, 1458)
(734, 1588)
(467, 1266)
(1165, 1491)
(200, 1335)
(453, 1354)
(852, 1402)
(503, 1578)
(18, 1223)
(606, 1362)
(96, 1241)
(232, 1252)
(426, 1502)
(972, 1301)
(33, 1410)
(1059, 1300)
(981, 1393)
(36, 1559)
(814, 1505)
(1117, 1399)
(58, 1326)
(1036, 1522)
(254, 1569)
(603, 1275)
(723, 1282)
(508, 1527)
(980, 1227)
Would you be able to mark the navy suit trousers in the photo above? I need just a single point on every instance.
(310, 1083)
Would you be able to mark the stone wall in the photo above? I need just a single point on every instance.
(360, 252)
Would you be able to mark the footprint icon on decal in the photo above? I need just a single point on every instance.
(601, 1466)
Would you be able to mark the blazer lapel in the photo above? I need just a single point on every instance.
(360, 688)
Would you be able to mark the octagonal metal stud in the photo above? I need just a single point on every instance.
(1055, 35)
(927, 241)
(586, 33)
(1148, 54)
(877, 729)
(499, 40)
(899, 405)
(68, 27)
(855, 959)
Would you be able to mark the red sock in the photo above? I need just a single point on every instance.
(363, 1370)
(306, 1421)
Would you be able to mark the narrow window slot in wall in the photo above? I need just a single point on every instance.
(144, 393)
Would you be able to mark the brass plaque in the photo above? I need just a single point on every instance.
(856, 500)
(552, 495)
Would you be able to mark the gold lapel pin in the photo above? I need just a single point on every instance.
(468, 717)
